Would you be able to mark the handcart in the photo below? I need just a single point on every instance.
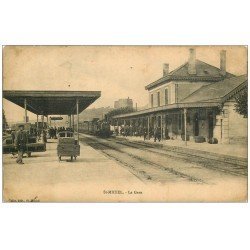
(67, 145)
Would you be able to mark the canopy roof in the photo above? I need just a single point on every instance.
(52, 102)
(169, 107)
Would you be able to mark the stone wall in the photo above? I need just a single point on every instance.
(231, 127)
(237, 125)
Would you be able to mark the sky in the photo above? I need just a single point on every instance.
(116, 71)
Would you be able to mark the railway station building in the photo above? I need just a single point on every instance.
(196, 101)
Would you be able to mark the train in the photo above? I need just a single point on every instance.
(96, 127)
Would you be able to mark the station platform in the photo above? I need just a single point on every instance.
(43, 178)
(230, 150)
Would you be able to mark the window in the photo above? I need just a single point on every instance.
(152, 100)
(158, 99)
(166, 96)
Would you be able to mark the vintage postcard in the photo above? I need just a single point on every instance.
(125, 123)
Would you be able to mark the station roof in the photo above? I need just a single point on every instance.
(218, 91)
(204, 72)
(52, 102)
(208, 96)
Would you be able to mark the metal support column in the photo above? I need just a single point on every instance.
(77, 113)
(73, 122)
(164, 126)
(221, 129)
(161, 128)
(25, 110)
(42, 121)
(117, 127)
(69, 118)
(185, 125)
(131, 129)
(37, 128)
(148, 127)
(42, 133)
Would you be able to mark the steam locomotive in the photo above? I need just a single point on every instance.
(96, 127)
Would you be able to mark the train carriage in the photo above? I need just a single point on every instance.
(96, 127)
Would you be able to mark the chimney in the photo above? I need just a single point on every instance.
(191, 62)
(165, 69)
(223, 62)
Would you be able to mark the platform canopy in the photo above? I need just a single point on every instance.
(52, 102)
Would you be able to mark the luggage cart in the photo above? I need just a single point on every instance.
(67, 145)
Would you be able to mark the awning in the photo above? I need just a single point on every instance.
(52, 102)
(169, 107)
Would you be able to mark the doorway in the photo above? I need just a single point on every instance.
(196, 124)
(167, 127)
(210, 125)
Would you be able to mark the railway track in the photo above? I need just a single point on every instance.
(185, 166)
(229, 166)
(144, 169)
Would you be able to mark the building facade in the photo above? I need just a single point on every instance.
(194, 101)
(123, 103)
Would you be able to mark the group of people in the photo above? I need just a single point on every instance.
(140, 131)
(61, 129)
(21, 138)
(53, 131)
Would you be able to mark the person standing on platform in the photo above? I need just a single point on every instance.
(21, 140)
(145, 133)
(13, 136)
(44, 134)
(157, 134)
(55, 132)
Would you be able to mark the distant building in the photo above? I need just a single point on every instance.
(90, 114)
(123, 103)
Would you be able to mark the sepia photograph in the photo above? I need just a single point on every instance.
(125, 123)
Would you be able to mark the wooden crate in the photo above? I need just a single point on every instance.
(66, 140)
(68, 150)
